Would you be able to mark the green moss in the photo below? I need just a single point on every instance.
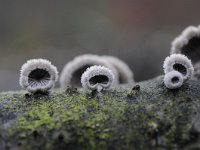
(37, 117)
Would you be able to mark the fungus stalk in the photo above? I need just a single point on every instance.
(97, 78)
(38, 76)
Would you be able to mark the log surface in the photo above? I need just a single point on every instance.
(142, 116)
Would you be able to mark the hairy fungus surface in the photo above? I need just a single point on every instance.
(38, 75)
(188, 43)
(73, 70)
(173, 80)
(180, 63)
(97, 78)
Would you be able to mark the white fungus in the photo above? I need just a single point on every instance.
(173, 80)
(72, 71)
(125, 73)
(38, 75)
(180, 63)
(97, 78)
(188, 43)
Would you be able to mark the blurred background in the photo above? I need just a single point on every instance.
(137, 31)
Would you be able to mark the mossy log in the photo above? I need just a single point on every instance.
(142, 116)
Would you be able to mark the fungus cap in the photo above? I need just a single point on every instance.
(173, 80)
(180, 63)
(38, 75)
(97, 78)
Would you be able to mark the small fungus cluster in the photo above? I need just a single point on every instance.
(177, 68)
(97, 73)
(92, 72)
(184, 59)
(83, 67)
(188, 44)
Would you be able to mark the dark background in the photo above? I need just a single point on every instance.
(137, 31)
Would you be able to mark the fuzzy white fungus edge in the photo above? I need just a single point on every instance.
(183, 38)
(125, 73)
(178, 59)
(80, 61)
(173, 80)
(96, 71)
(32, 65)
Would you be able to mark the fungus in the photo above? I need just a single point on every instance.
(180, 63)
(71, 73)
(125, 73)
(38, 76)
(97, 78)
(188, 43)
(173, 80)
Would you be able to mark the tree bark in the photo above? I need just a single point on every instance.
(142, 116)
